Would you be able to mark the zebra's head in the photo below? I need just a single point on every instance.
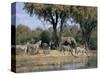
(39, 42)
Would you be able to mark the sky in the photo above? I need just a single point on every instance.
(22, 17)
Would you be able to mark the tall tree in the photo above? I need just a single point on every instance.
(54, 14)
(87, 18)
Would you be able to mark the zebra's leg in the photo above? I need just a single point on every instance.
(48, 50)
(71, 51)
(64, 52)
(25, 50)
(44, 52)
(28, 51)
(60, 50)
(76, 52)
(38, 51)
(86, 53)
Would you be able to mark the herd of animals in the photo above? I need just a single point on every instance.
(68, 44)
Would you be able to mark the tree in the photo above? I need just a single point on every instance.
(54, 14)
(45, 37)
(23, 34)
(87, 18)
(93, 40)
(36, 34)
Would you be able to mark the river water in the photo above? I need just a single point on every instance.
(77, 63)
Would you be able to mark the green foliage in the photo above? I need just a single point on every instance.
(36, 34)
(46, 11)
(79, 39)
(56, 15)
(23, 34)
(93, 44)
(50, 13)
(93, 40)
(45, 36)
(66, 31)
(87, 18)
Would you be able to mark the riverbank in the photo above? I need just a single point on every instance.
(56, 59)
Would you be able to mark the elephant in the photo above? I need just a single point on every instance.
(69, 41)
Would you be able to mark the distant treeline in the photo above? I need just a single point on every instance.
(24, 34)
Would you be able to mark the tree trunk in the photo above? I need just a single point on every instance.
(86, 45)
(60, 35)
(85, 36)
(55, 35)
(87, 41)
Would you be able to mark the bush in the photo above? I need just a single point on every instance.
(93, 44)
(45, 36)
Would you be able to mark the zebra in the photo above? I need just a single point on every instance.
(34, 47)
(81, 50)
(65, 48)
(21, 47)
(46, 48)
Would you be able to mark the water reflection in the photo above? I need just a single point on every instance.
(77, 63)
